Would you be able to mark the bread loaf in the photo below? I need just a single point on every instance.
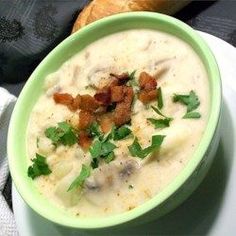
(98, 9)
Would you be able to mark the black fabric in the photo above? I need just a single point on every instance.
(29, 29)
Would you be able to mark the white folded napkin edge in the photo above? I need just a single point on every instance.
(7, 221)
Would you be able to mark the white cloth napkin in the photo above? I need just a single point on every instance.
(7, 222)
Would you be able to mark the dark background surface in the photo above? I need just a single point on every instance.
(29, 29)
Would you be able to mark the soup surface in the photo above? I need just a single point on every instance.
(117, 122)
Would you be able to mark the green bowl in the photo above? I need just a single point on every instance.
(180, 188)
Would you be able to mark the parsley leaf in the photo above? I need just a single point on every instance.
(94, 163)
(192, 115)
(39, 167)
(63, 134)
(79, 181)
(95, 149)
(102, 149)
(158, 111)
(159, 99)
(37, 142)
(160, 123)
(132, 81)
(132, 74)
(107, 148)
(120, 133)
(94, 130)
(110, 157)
(191, 101)
(136, 149)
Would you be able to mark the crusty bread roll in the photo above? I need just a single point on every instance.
(98, 9)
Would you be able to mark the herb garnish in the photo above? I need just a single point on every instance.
(136, 150)
(37, 142)
(132, 81)
(63, 134)
(102, 149)
(159, 98)
(158, 111)
(192, 115)
(39, 167)
(120, 133)
(94, 130)
(160, 123)
(191, 101)
(110, 157)
(79, 181)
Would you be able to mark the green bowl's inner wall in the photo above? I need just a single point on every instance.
(51, 63)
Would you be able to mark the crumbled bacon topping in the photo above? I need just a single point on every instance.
(117, 93)
(84, 140)
(64, 99)
(106, 122)
(103, 96)
(88, 103)
(148, 86)
(86, 118)
(96, 108)
(122, 113)
(122, 78)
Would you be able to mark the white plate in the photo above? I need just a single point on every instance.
(211, 210)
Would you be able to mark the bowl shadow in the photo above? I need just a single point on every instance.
(196, 216)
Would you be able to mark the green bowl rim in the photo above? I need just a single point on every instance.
(92, 223)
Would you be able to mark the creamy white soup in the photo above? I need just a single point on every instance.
(117, 122)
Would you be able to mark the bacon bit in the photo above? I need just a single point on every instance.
(63, 98)
(122, 78)
(117, 94)
(106, 123)
(103, 96)
(114, 82)
(86, 118)
(148, 86)
(147, 96)
(76, 103)
(88, 103)
(147, 82)
(84, 140)
(122, 113)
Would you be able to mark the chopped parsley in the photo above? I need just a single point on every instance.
(94, 130)
(160, 123)
(95, 149)
(158, 111)
(192, 102)
(106, 148)
(136, 150)
(39, 167)
(110, 157)
(159, 98)
(120, 133)
(192, 115)
(94, 163)
(62, 134)
(79, 181)
(132, 75)
(102, 149)
(132, 81)
(37, 142)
